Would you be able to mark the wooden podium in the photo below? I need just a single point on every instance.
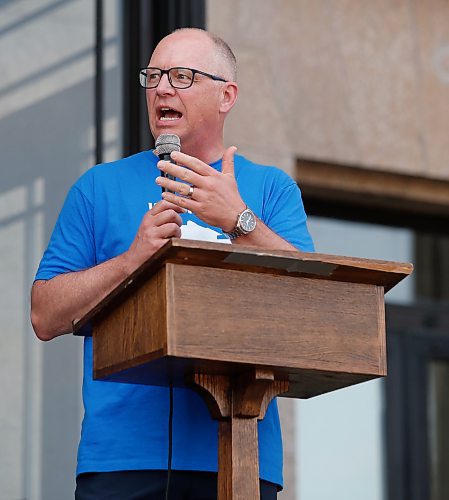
(242, 326)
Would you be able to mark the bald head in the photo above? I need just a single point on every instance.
(224, 58)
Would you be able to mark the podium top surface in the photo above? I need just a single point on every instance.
(220, 255)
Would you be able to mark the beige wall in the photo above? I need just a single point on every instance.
(352, 81)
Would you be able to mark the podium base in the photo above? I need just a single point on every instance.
(238, 402)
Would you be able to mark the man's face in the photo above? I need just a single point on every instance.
(193, 113)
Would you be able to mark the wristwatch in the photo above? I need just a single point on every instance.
(246, 222)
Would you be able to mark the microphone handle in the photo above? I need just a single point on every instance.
(166, 157)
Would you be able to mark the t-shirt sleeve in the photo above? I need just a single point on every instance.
(285, 215)
(71, 247)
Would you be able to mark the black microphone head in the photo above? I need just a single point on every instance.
(166, 144)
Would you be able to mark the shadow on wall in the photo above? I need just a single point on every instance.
(45, 146)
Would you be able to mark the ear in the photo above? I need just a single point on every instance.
(228, 96)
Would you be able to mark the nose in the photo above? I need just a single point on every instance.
(164, 87)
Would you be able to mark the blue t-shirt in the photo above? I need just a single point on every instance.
(125, 425)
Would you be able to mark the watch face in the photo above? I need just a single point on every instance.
(247, 221)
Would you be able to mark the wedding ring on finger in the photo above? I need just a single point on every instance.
(190, 193)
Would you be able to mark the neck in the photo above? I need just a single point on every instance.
(206, 151)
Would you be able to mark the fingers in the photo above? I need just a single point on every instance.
(162, 206)
(183, 203)
(169, 215)
(192, 171)
(170, 231)
(227, 164)
(177, 187)
(181, 172)
(159, 224)
(215, 198)
(194, 164)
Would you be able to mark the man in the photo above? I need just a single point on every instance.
(105, 231)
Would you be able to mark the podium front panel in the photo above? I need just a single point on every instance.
(319, 334)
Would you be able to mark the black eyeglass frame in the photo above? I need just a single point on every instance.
(167, 72)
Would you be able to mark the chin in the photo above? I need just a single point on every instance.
(157, 131)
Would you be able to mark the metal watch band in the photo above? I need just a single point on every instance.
(235, 233)
(238, 231)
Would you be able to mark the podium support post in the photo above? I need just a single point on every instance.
(238, 402)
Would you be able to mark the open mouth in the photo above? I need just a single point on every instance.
(169, 114)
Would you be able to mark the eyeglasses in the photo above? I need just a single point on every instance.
(179, 78)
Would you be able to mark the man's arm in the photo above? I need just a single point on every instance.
(55, 303)
(216, 199)
(264, 237)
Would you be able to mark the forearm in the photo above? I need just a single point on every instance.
(214, 197)
(264, 237)
(57, 302)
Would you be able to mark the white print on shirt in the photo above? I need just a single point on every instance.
(193, 231)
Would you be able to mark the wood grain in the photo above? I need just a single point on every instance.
(135, 331)
(216, 391)
(319, 334)
(219, 255)
(275, 320)
(244, 399)
(250, 391)
(245, 459)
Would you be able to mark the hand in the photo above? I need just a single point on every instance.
(158, 225)
(215, 199)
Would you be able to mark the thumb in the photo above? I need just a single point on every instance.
(227, 163)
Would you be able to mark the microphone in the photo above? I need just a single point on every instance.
(166, 144)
